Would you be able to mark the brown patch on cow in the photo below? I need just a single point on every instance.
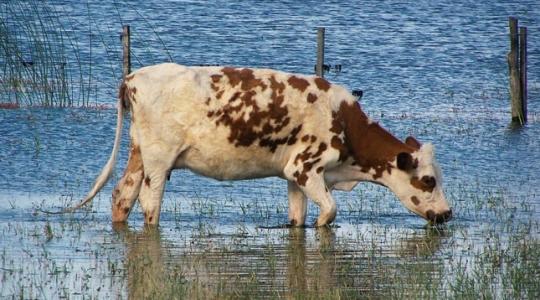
(371, 145)
(337, 123)
(322, 84)
(292, 138)
(309, 165)
(219, 94)
(303, 156)
(415, 200)
(129, 181)
(244, 77)
(216, 78)
(149, 215)
(308, 160)
(310, 138)
(135, 160)
(233, 75)
(275, 86)
(320, 151)
(307, 155)
(147, 181)
(134, 165)
(301, 178)
(298, 83)
(338, 144)
(426, 184)
(126, 210)
(234, 97)
(249, 123)
(115, 193)
(311, 98)
(126, 94)
(207, 102)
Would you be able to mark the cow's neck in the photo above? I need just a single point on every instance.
(372, 147)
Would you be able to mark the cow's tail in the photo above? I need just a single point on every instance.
(106, 172)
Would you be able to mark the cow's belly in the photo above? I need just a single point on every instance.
(229, 164)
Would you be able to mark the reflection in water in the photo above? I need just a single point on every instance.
(147, 273)
(302, 262)
(303, 273)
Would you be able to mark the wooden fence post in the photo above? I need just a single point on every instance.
(319, 70)
(513, 67)
(523, 70)
(517, 66)
(126, 55)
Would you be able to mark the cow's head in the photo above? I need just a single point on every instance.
(417, 182)
(408, 169)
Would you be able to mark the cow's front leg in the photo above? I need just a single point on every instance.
(315, 189)
(297, 204)
(313, 185)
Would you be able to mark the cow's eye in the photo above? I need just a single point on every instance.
(429, 181)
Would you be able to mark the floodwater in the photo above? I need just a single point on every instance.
(435, 71)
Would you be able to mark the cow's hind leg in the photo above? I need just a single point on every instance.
(297, 205)
(158, 161)
(126, 191)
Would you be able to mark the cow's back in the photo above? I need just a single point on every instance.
(231, 123)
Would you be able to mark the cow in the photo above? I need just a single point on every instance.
(232, 123)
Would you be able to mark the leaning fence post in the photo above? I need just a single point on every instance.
(126, 55)
(319, 70)
(523, 70)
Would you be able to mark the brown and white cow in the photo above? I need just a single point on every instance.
(239, 123)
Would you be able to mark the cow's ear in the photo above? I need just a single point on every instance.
(411, 141)
(405, 161)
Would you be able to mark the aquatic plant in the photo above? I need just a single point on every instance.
(39, 57)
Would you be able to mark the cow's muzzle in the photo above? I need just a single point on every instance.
(439, 218)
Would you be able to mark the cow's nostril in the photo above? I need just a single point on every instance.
(444, 217)
(439, 218)
(431, 215)
(447, 215)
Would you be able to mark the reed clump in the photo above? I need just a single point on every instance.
(40, 58)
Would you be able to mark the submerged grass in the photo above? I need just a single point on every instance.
(40, 58)
(209, 258)
(48, 58)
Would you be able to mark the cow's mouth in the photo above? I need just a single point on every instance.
(434, 218)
